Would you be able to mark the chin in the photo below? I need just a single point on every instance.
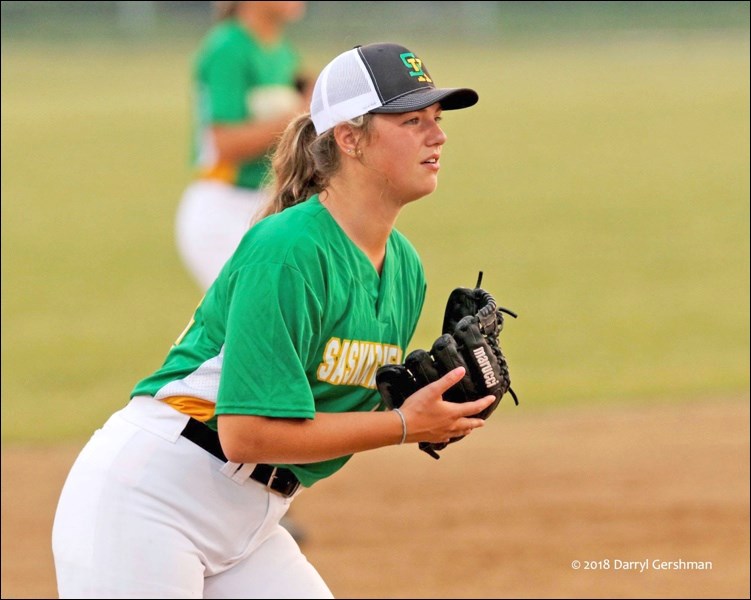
(415, 197)
(417, 192)
(428, 190)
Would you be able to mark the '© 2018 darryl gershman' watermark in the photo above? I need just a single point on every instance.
(639, 566)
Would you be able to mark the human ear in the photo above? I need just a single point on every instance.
(346, 139)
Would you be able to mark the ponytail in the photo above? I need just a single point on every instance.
(303, 163)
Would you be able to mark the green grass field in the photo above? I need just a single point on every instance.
(602, 185)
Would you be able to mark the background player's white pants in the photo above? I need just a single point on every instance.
(211, 220)
(145, 513)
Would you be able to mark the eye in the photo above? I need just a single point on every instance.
(438, 119)
(413, 121)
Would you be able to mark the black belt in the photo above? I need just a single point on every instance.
(281, 480)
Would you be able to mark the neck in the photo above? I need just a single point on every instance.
(367, 219)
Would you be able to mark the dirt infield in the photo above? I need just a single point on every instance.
(503, 514)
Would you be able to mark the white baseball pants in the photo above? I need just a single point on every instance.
(146, 513)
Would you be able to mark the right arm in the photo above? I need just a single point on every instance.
(245, 141)
(244, 124)
(254, 439)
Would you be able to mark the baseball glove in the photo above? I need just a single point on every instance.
(472, 324)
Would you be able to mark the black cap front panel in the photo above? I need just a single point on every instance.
(395, 70)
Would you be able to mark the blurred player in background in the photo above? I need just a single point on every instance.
(248, 85)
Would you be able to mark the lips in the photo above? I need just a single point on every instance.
(432, 163)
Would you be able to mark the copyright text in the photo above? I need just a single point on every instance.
(639, 566)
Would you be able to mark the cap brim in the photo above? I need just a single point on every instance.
(449, 99)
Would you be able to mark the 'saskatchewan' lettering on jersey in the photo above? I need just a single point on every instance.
(353, 362)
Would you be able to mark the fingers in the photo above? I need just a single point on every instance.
(432, 419)
(464, 426)
(466, 422)
(468, 409)
(444, 383)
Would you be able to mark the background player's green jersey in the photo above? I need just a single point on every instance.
(238, 78)
(297, 322)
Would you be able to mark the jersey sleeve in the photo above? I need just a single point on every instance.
(224, 85)
(272, 324)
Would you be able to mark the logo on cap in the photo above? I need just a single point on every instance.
(415, 64)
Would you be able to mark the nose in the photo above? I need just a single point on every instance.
(437, 136)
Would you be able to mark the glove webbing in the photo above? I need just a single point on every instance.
(491, 325)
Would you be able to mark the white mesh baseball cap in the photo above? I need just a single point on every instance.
(378, 78)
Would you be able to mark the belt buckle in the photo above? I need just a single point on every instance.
(272, 477)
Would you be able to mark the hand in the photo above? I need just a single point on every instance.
(430, 418)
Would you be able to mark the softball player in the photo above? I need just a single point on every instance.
(271, 386)
(247, 88)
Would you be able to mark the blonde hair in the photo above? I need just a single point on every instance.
(304, 162)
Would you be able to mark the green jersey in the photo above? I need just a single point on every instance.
(296, 323)
(238, 78)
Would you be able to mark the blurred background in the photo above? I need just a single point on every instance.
(601, 184)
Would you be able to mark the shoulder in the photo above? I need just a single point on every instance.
(295, 236)
(407, 265)
(400, 242)
(404, 249)
(227, 37)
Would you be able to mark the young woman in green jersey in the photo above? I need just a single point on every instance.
(248, 85)
(271, 386)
